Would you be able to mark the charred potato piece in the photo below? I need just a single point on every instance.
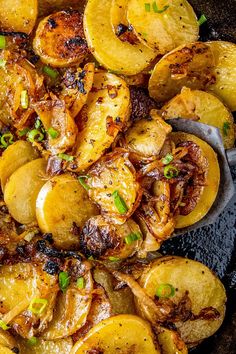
(189, 65)
(192, 279)
(59, 346)
(59, 39)
(165, 26)
(225, 72)
(104, 115)
(18, 15)
(112, 185)
(126, 332)
(15, 156)
(108, 49)
(46, 7)
(205, 108)
(22, 189)
(64, 221)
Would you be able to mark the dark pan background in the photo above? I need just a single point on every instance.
(215, 245)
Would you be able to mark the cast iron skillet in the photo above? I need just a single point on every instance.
(215, 245)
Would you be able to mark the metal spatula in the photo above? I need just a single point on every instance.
(226, 159)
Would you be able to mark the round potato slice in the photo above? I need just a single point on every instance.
(59, 39)
(225, 72)
(73, 209)
(205, 108)
(126, 333)
(15, 156)
(203, 288)
(163, 25)
(22, 189)
(108, 49)
(118, 14)
(188, 65)
(60, 346)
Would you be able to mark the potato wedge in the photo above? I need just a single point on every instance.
(205, 108)
(105, 114)
(170, 342)
(127, 332)
(112, 185)
(175, 24)
(18, 15)
(15, 156)
(22, 189)
(204, 290)
(68, 195)
(110, 52)
(59, 346)
(8, 344)
(225, 72)
(189, 65)
(59, 39)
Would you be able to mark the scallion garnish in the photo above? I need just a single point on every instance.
(132, 237)
(119, 203)
(165, 291)
(226, 127)
(53, 133)
(114, 259)
(3, 325)
(7, 139)
(80, 283)
(170, 171)
(32, 341)
(167, 159)
(2, 42)
(35, 136)
(50, 72)
(159, 11)
(2, 63)
(24, 99)
(202, 20)
(83, 183)
(64, 281)
(37, 306)
(37, 123)
(23, 132)
(66, 157)
(147, 7)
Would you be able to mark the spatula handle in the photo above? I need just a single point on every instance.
(231, 156)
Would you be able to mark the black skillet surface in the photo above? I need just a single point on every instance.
(215, 245)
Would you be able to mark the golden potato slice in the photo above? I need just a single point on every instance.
(15, 156)
(127, 332)
(225, 72)
(22, 189)
(46, 7)
(118, 14)
(8, 344)
(189, 65)
(59, 346)
(18, 15)
(205, 108)
(59, 39)
(66, 193)
(112, 185)
(208, 160)
(204, 289)
(163, 25)
(108, 49)
(170, 342)
(105, 114)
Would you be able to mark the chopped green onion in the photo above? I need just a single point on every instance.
(202, 20)
(226, 127)
(170, 171)
(147, 7)
(83, 183)
(35, 135)
(37, 124)
(32, 341)
(80, 283)
(133, 237)
(156, 10)
(53, 133)
(50, 72)
(23, 132)
(167, 159)
(24, 99)
(7, 139)
(2, 42)
(114, 259)
(3, 325)
(66, 157)
(165, 291)
(2, 63)
(91, 258)
(37, 306)
(120, 203)
(64, 281)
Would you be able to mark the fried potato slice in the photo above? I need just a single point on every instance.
(46, 7)
(18, 15)
(189, 65)
(105, 114)
(225, 72)
(22, 189)
(208, 161)
(8, 344)
(15, 156)
(127, 332)
(118, 14)
(112, 185)
(68, 195)
(204, 289)
(59, 346)
(59, 39)
(205, 108)
(170, 342)
(108, 49)
(163, 25)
